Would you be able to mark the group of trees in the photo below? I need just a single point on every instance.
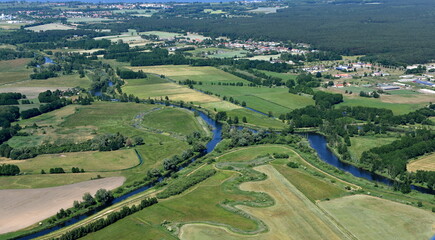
(393, 157)
(10, 98)
(102, 197)
(53, 101)
(181, 184)
(129, 74)
(9, 54)
(9, 170)
(105, 142)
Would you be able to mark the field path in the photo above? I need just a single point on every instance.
(293, 216)
(21, 208)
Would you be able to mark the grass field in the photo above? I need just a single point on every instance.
(49, 26)
(31, 88)
(157, 88)
(374, 218)
(78, 123)
(167, 35)
(283, 76)
(313, 188)
(249, 153)
(365, 143)
(193, 206)
(149, 88)
(173, 120)
(263, 99)
(14, 70)
(292, 216)
(426, 163)
(397, 109)
(200, 74)
(89, 161)
(87, 20)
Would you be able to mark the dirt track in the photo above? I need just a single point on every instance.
(21, 208)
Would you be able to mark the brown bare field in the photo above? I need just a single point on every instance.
(293, 216)
(369, 217)
(426, 163)
(21, 208)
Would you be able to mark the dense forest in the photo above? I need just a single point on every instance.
(381, 31)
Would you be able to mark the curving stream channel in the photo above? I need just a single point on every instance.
(317, 142)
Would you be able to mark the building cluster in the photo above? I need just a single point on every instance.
(258, 47)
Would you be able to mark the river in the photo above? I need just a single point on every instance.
(317, 142)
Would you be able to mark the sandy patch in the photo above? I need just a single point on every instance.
(21, 208)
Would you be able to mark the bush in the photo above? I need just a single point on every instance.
(184, 183)
(293, 164)
(9, 170)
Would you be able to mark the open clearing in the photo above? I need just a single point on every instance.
(426, 163)
(24, 207)
(375, 218)
(292, 217)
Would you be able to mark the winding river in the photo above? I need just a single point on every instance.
(317, 142)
